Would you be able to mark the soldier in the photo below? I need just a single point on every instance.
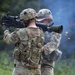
(52, 40)
(28, 45)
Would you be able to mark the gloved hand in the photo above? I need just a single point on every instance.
(55, 55)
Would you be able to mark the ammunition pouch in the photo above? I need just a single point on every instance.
(16, 54)
(31, 64)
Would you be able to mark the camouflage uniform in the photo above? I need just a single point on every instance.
(52, 41)
(47, 67)
(28, 46)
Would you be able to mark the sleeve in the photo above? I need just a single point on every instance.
(53, 43)
(42, 37)
(55, 39)
(10, 37)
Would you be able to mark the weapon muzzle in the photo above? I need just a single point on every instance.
(57, 29)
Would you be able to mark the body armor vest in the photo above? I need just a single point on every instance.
(30, 47)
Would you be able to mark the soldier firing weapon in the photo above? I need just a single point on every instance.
(14, 21)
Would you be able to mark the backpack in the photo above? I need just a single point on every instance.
(30, 49)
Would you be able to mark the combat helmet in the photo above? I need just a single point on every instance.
(44, 14)
(28, 14)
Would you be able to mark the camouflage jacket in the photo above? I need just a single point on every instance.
(52, 41)
(29, 42)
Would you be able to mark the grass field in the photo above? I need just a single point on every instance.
(62, 67)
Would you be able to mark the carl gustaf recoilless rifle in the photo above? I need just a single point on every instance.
(14, 21)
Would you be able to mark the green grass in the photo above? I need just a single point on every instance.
(62, 67)
(5, 71)
(65, 67)
(6, 67)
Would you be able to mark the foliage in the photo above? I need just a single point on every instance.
(65, 67)
(16, 6)
(6, 66)
(62, 67)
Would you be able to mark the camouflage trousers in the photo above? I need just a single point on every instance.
(21, 70)
(47, 70)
